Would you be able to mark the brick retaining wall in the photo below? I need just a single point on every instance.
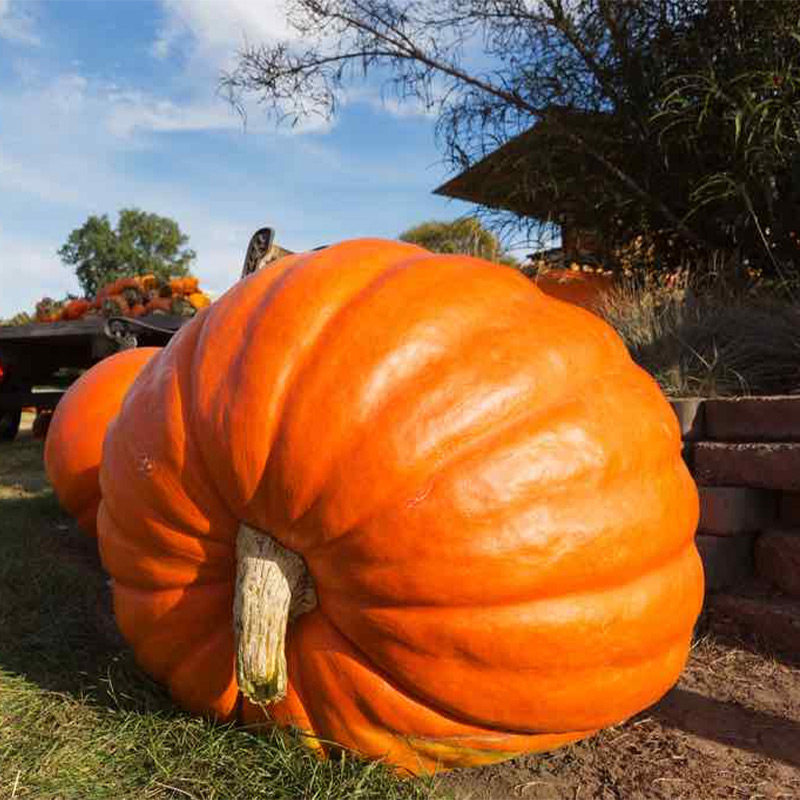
(744, 454)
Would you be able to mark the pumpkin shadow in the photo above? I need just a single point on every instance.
(730, 724)
(57, 623)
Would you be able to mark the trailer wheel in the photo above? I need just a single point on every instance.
(9, 424)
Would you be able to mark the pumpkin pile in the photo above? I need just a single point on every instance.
(404, 502)
(130, 297)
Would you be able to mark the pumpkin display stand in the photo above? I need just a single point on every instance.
(405, 503)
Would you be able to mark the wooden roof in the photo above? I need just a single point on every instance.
(539, 172)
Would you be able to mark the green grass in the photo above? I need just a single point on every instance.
(78, 719)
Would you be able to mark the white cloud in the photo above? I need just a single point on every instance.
(382, 99)
(134, 111)
(218, 28)
(210, 33)
(15, 176)
(137, 111)
(67, 94)
(29, 271)
(17, 23)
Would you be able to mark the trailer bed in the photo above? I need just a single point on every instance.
(32, 354)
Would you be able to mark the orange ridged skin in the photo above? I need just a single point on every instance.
(74, 442)
(580, 288)
(487, 491)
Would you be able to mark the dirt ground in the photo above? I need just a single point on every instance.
(730, 729)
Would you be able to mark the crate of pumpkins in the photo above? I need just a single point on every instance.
(130, 297)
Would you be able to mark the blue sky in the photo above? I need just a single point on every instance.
(113, 104)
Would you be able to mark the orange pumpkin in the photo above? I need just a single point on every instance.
(461, 499)
(185, 285)
(75, 309)
(580, 288)
(199, 300)
(75, 433)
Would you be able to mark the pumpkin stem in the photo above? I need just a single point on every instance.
(273, 586)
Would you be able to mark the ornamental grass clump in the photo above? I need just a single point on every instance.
(708, 336)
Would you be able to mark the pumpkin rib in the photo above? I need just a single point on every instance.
(327, 550)
(112, 535)
(599, 588)
(408, 693)
(185, 394)
(176, 537)
(611, 347)
(466, 451)
(409, 379)
(291, 266)
(437, 705)
(656, 584)
(149, 641)
(219, 700)
(311, 356)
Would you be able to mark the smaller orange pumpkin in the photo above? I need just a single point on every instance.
(74, 442)
(585, 289)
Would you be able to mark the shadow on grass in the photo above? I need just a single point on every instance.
(55, 610)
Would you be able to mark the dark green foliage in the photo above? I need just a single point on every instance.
(141, 243)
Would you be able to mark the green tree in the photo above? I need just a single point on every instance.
(141, 243)
(465, 235)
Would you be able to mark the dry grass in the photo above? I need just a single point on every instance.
(709, 340)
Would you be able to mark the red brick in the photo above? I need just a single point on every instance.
(789, 509)
(726, 510)
(761, 466)
(727, 560)
(753, 419)
(777, 559)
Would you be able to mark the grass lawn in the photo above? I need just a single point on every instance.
(79, 720)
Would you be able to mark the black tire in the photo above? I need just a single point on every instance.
(9, 424)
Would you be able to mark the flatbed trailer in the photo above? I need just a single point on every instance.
(32, 356)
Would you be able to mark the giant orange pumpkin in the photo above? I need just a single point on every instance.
(74, 442)
(460, 498)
